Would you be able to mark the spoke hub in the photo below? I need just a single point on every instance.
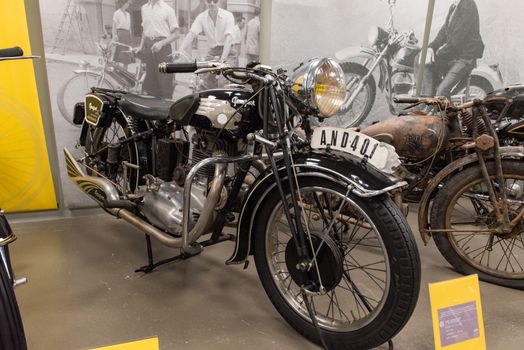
(501, 230)
(327, 263)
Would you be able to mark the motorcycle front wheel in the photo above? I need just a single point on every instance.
(368, 243)
(463, 204)
(353, 114)
(12, 334)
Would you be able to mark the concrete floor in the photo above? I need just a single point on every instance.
(83, 293)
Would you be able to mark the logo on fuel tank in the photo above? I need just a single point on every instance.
(237, 101)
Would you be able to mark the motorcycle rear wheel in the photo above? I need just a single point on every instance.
(12, 334)
(463, 203)
(351, 115)
(97, 164)
(380, 281)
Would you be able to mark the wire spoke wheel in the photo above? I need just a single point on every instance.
(365, 266)
(107, 151)
(349, 283)
(479, 246)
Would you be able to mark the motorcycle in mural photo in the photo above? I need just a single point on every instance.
(335, 255)
(390, 56)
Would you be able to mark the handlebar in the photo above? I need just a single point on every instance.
(436, 100)
(190, 67)
(407, 99)
(11, 52)
(178, 67)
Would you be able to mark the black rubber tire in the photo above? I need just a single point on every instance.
(359, 70)
(95, 141)
(67, 111)
(403, 258)
(438, 219)
(12, 334)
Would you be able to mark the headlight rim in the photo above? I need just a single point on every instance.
(310, 73)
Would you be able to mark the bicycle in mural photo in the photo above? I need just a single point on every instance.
(109, 74)
(112, 75)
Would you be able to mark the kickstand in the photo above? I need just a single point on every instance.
(191, 251)
(150, 262)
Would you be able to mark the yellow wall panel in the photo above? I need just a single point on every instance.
(26, 182)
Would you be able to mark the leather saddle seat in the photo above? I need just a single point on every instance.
(146, 107)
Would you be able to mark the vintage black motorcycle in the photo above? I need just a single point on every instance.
(12, 334)
(506, 109)
(333, 252)
(468, 177)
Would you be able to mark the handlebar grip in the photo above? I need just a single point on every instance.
(177, 67)
(11, 52)
(398, 99)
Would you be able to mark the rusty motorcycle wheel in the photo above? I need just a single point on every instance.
(463, 204)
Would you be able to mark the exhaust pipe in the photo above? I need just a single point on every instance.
(103, 192)
(98, 188)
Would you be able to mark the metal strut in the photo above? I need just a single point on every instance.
(184, 255)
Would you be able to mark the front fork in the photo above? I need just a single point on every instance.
(483, 144)
(363, 81)
(297, 230)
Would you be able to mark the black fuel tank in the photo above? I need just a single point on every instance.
(233, 109)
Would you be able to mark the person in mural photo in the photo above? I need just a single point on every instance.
(218, 26)
(238, 36)
(160, 28)
(252, 36)
(453, 53)
(121, 33)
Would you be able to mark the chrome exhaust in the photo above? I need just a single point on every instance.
(97, 188)
(103, 191)
(204, 221)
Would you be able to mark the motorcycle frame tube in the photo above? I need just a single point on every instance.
(220, 163)
(318, 165)
(507, 152)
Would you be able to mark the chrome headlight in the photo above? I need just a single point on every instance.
(320, 84)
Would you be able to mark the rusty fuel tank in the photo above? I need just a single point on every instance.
(414, 136)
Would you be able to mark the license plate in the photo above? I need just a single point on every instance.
(379, 154)
(93, 109)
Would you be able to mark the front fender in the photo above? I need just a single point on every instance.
(356, 52)
(452, 168)
(493, 76)
(365, 181)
